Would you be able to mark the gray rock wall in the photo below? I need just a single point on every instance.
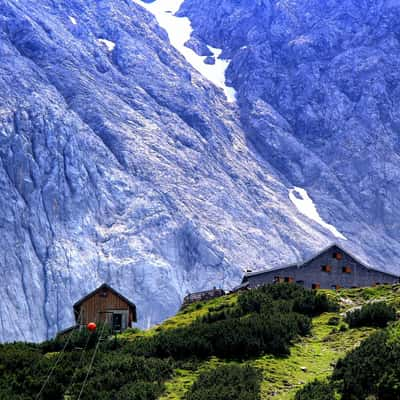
(122, 166)
(318, 89)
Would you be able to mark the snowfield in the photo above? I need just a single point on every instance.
(303, 202)
(179, 31)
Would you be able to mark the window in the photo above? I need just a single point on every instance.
(346, 270)
(326, 268)
(289, 279)
(117, 322)
(335, 287)
(118, 319)
(337, 255)
(316, 286)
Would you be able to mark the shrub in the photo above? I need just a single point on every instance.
(80, 338)
(132, 331)
(228, 382)
(316, 390)
(334, 321)
(115, 375)
(295, 297)
(231, 338)
(369, 369)
(264, 320)
(123, 377)
(377, 314)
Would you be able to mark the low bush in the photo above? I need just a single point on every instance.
(123, 377)
(334, 321)
(377, 314)
(229, 382)
(77, 339)
(316, 390)
(368, 369)
(264, 320)
(115, 375)
(232, 338)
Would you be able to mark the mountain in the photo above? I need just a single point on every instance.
(125, 160)
(317, 85)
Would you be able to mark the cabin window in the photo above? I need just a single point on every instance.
(346, 270)
(337, 255)
(301, 283)
(326, 268)
(103, 293)
(289, 279)
(316, 286)
(117, 322)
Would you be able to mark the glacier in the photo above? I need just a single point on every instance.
(131, 167)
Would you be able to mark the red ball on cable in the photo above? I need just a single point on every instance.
(91, 326)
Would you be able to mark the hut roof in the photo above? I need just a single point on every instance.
(99, 289)
(331, 246)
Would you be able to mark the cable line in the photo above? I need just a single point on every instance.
(60, 356)
(91, 363)
(78, 365)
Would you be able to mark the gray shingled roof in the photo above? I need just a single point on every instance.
(299, 265)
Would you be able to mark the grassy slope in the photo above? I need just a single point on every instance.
(311, 357)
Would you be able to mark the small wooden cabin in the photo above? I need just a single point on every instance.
(105, 304)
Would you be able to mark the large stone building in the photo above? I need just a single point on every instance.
(332, 268)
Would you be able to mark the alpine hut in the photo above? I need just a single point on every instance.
(331, 268)
(105, 304)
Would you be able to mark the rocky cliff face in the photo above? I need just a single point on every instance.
(121, 163)
(318, 89)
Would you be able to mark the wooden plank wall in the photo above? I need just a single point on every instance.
(92, 309)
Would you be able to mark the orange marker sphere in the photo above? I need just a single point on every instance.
(91, 326)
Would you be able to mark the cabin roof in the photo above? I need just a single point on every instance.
(243, 285)
(324, 250)
(271, 269)
(108, 287)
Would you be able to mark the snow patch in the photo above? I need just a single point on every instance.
(179, 30)
(108, 43)
(73, 20)
(300, 198)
